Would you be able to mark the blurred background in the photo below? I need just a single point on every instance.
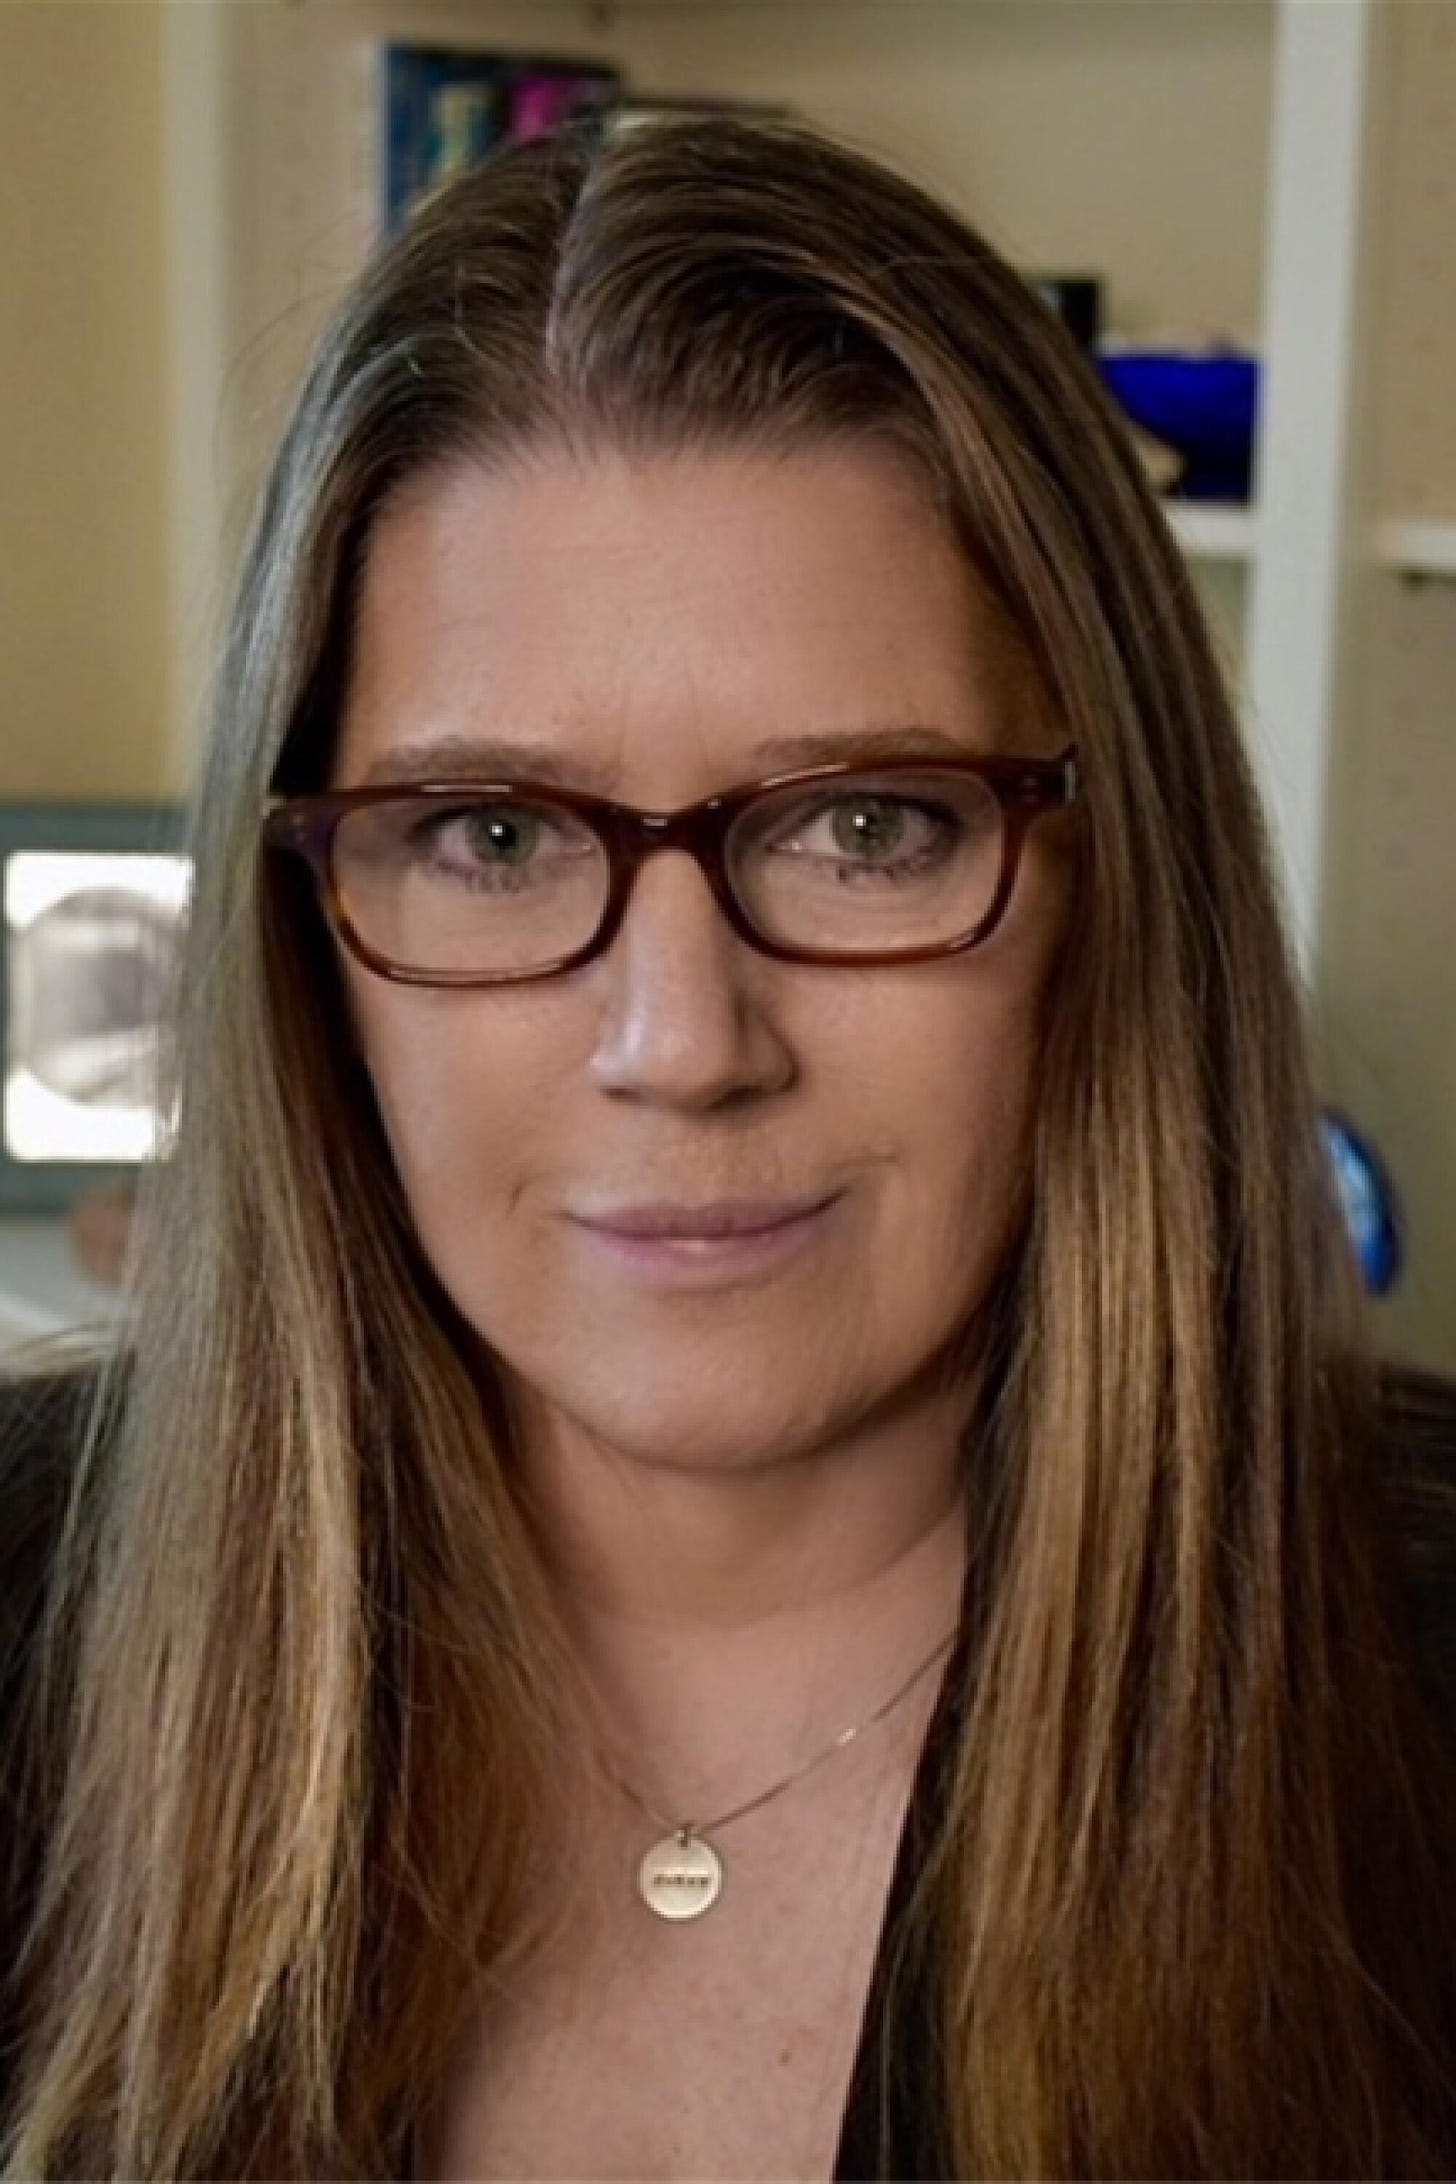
(1245, 209)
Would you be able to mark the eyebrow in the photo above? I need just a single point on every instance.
(454, 757)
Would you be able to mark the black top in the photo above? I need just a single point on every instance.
(892, 2126)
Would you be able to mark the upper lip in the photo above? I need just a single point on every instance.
(723, 1217)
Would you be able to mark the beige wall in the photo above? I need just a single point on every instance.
(1042, 122)
(83, 603)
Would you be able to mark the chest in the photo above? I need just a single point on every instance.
(716, 2047)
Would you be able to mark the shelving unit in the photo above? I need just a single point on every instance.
(1279, 172)
(1211, 531)
(1416, 548)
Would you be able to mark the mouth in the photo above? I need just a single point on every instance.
(712, 1242)
(706, 1223)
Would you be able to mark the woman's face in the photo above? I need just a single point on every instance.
(658, 625)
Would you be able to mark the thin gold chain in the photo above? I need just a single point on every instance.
(684, 1828)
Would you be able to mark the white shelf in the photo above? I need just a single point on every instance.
(1214, 530)
(1417, 549)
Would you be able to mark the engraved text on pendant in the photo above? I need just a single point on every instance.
(681, 1877)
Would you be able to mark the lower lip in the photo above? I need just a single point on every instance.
(713, 1258)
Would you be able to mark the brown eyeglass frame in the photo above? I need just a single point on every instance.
(1025, 788)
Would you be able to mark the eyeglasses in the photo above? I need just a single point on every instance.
(465, 883)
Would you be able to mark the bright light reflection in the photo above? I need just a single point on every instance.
(89, 941)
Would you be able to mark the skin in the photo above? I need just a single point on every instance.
(749, 1490)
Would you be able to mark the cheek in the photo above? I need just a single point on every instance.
(954, 1088)
(958, 1062)
(952, 1052)
(455, 1102)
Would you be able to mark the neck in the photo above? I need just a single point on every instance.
(731, 1621)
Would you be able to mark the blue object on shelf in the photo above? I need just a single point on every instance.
(1368, 1199)
(1204, 407)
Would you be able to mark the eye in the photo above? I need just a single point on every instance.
(875, 828)
(496, 842)
(499, 834)
(866, 828)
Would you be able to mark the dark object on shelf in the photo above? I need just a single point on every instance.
(1205, 406)
(92, 903)
(1076, 299)
(443, 110)
(1369, 1202)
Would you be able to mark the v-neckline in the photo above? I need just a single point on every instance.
(893, 2124)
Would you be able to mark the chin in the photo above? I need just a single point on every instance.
(694, 1423)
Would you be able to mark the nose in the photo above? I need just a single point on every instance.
(683, 1020)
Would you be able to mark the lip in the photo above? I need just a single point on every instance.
(725, 1217)
(722, 1243)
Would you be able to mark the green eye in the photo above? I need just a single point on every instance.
(873, 824)
(508, 836)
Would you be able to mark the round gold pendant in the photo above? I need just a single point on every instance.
(681, 1877)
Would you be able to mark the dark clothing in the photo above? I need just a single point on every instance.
(892, 2126)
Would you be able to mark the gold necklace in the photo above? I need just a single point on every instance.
(681, 1875)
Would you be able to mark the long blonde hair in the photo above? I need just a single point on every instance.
(1187, 1910)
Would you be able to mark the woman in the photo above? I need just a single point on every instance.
(749, 1531)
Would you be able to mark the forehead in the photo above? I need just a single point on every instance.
(661, 627)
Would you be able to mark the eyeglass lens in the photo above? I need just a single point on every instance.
(495, 885)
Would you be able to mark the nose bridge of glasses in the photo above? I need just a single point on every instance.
(695, 829)
(665, 916)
